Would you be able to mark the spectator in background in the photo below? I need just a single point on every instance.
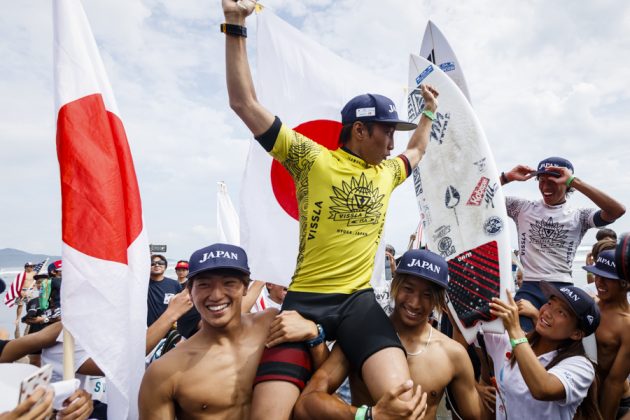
(161, 289)
(596, 249)
(54, 274)
(390, 262)
(590, 258)
(271, 296)
(181, 269)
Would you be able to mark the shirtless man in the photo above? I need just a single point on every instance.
(435, 361)
(613, 336)
(211, 374)
(331, 282)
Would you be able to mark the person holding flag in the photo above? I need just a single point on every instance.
(342, 196)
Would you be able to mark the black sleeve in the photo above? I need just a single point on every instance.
(268, 138)
(598, 221)
(407, 164)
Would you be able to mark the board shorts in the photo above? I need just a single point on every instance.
(356, 321)
(531, 291)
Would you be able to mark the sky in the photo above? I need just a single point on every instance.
(545, 78)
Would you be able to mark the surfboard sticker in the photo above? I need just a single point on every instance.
(474, 279)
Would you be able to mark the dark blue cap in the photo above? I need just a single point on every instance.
(373, 108)
(425, 264)
(218, 256)
(54, 266)
(581, 304)
(604, 266)
(553, 161)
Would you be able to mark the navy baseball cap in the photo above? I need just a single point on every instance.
(581, 304)
(373, 108)
(604, 266)
(425, 264)
(217, 256)
(553, 161)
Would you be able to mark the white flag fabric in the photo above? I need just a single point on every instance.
(305, 85)
(105, 249)
(227, 217)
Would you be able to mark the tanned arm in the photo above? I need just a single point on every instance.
(463, 384)
(612, 388)
(29, 344)
(177, 306)
(252, 294)
(156, 398)
(240, 85)
(544, 386)
(419, 140)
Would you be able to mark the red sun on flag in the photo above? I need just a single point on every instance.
(324, 132)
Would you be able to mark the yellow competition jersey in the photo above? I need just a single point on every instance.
(342, 203)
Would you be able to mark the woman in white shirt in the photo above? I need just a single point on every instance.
(545, 374)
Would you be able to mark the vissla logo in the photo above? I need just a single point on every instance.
(358, 202)
(478, 193)
(438, 129)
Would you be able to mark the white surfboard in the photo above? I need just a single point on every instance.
(462, 204)
(437, 50)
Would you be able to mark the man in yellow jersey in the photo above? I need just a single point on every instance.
(342, 196)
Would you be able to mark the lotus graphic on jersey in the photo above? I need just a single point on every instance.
(547, 234)
(357, 202)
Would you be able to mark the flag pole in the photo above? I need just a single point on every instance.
(68, 355)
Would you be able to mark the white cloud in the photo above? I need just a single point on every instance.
(546, 78)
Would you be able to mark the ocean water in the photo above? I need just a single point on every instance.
(7, 315)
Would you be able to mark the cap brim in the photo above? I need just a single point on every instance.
(219, 267)
(600, 273)
(404, 125)
(550, 290)
(414, 274)
(551, 173)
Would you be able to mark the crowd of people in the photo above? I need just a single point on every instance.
(221, 345)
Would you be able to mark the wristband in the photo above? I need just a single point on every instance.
(361, 413)
(429, 114)
(319, 339)
(235, 30)
(368, 414)
(504, 178)
(515, 342)
(570, 180)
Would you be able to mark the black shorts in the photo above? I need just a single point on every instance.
(2, 344)
(356, 321)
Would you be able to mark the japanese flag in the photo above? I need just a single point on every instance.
(306, 85)
(105, 249)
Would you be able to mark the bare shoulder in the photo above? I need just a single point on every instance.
(263, 317)
(450, 347)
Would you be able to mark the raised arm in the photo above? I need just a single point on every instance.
(240, 85)
(31, 343)
(177, 306)
(611, 208)
(612, 388)
(518, 173)
(544, 386)
(419, 140)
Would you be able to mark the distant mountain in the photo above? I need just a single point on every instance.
(14, 258)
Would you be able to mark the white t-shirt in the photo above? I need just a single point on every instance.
(54, 356)
(548, 237)
(576, 374)
(264, 301)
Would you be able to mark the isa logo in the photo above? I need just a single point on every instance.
(424, 74)
(448, 66)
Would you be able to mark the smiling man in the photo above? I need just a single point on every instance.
(550, 230)
(211, 374)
